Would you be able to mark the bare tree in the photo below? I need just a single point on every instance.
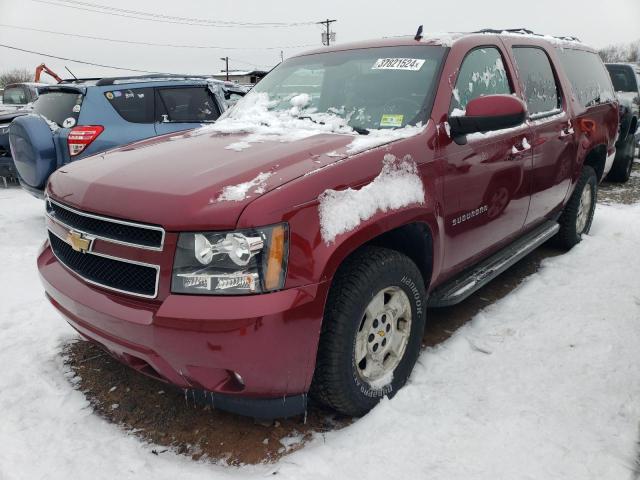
(621, 53)
(15, 76)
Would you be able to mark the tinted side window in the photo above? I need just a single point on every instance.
(589, 79)
(186, 104)
(482, 73)
(62, 108)
(623, 78)
(134, 105)
(540, 89)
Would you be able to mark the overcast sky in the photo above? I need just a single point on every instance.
(596, 22)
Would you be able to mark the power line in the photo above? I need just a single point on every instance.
(77, 61)
(153, 17)
(132, 42)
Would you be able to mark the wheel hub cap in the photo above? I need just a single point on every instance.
(383, 334)
(584, 209)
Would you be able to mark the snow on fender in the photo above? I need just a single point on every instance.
(398, 185)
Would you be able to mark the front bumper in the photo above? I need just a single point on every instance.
(203, 342)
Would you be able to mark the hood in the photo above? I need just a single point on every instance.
(192, 180)
(628, 99)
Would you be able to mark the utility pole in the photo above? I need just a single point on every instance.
(327, 24)
(226, 68)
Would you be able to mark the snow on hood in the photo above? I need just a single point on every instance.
(256, 117)
(237, 193)
(398, 185)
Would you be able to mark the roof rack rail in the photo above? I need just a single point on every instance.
(497, 31)
(526, 31)
(151, 78)
(80, 80)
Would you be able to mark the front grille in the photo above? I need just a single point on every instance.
(120, 231)
(107, 272)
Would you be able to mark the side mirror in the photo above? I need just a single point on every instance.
(488, 113)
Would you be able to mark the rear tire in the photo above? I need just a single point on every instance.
(577, 215)
(372, 331)
(622, 165)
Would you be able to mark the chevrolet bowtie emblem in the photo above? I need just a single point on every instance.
(78, 242)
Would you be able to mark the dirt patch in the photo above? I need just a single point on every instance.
(162, 415)
(626, 193)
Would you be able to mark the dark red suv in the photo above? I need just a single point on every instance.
(293, 247)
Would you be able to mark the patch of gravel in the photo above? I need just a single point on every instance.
(626, 193)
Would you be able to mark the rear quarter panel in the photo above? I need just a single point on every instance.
(605, 115)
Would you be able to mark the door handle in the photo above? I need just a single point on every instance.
(566, 130)
(524, 146)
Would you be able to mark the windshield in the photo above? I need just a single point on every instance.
(15, 96)
(60, 107)
(372, 88)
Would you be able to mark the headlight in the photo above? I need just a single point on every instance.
(231, 263)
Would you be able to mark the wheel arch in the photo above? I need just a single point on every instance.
(412, 235)
(596, 158)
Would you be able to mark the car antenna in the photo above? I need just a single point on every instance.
(71, 72)
(418, 36)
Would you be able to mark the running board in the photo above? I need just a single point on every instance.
(460, 287)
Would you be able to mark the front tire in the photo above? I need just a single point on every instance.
(577, 215)
(371, 332)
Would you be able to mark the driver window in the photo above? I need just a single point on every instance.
(482, 73)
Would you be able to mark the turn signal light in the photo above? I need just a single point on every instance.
(587, 126)
(275, 260)
(80, 137)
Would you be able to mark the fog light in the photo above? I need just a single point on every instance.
(238, 378)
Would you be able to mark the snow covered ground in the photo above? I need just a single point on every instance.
(544, 384)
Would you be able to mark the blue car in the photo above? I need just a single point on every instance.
(75, 119)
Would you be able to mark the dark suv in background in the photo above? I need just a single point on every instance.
(626, 82)
(75, 119)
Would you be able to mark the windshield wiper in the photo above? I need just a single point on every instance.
(360, 130)
(307, 117)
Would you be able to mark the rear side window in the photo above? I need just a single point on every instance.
(589, 79)
(135, 105)
(482, 73)
(186, 104)
(60, 107)
(541, 92)
(623, 78)
(15, 96)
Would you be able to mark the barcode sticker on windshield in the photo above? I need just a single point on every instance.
(413, 64)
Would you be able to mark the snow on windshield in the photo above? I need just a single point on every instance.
(256, 116)
(398, 185)
(262, 119)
